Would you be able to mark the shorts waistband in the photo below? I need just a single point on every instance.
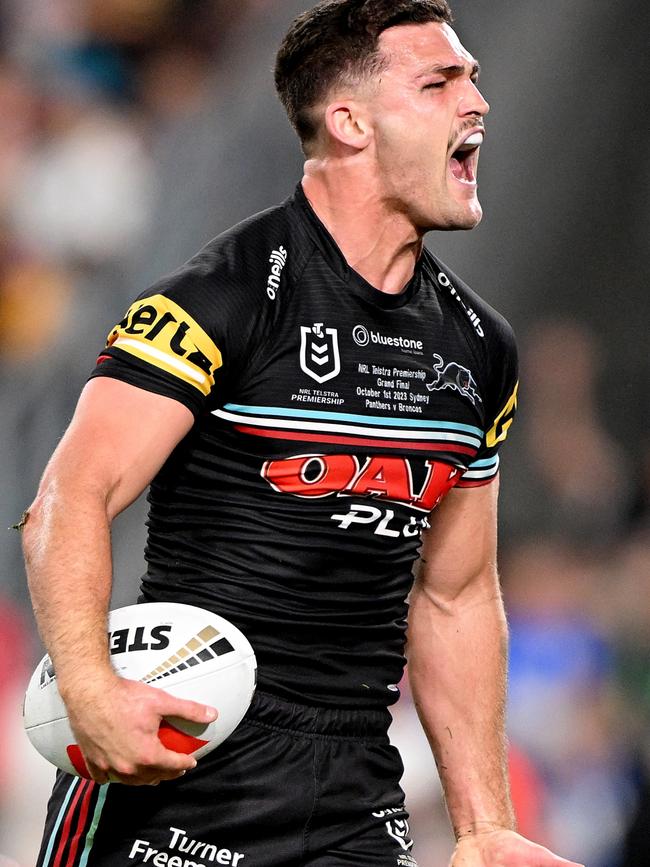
(269, 710)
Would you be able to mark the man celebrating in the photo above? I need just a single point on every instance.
(305, 396)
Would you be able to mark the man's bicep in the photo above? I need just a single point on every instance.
(119, 437)
(459, 551)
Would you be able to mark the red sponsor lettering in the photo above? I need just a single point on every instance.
(386, 477)
(382, 477)
(440, 480)
(311, 475)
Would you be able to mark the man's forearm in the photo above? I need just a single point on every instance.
(66, 540)
(457, 654)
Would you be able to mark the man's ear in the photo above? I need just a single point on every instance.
(348, 124)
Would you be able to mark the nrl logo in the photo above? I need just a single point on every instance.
(399, 830)
(455, 377)
(319, 352)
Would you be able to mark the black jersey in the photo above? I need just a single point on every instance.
(331, 418)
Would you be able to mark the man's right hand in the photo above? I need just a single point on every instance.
(116, 724)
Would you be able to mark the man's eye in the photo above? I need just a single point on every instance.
(434, 84)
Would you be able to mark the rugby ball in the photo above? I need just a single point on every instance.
(187, 651)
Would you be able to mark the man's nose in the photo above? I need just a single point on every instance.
(473, 101)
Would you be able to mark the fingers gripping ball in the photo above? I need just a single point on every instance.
(190, 653)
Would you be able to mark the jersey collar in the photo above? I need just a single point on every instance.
(336, 260)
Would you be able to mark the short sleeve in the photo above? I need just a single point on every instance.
(177, 337)
(501, 406)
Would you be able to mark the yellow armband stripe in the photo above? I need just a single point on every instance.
(499, 430)
(160, 332)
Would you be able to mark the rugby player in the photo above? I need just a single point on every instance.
(305, 397)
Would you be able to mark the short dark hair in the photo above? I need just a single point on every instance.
(335, 41)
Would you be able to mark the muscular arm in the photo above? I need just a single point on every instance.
(457, 655)
(118, 439)
(457, 650)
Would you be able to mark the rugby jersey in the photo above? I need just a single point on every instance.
(330, 419)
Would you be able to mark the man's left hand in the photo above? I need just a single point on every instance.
(504, 849)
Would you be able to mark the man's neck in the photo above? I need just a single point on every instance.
(380, 245)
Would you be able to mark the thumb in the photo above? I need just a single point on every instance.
(187, 710)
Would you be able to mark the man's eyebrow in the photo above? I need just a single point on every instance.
(452, 71)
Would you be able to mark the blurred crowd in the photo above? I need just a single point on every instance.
(131, 131)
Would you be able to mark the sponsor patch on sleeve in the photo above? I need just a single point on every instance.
(499, 430)
(158, 331)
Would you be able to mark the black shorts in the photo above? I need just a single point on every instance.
(294, 786)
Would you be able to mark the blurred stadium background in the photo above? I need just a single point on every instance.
(131, 131)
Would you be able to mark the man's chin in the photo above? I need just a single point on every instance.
(463, 218)
(472, 219)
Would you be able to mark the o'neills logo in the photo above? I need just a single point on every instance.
(362, 337)
(277, 261)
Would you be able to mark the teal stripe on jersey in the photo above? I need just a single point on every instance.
(286, 412)
(322, 427)
(488, 462)
(59, 819)
(90, 837)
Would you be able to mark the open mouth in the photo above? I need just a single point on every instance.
(464, 160)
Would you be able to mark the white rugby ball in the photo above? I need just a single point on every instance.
(187, 651)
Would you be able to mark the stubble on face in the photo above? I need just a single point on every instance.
(420, 115)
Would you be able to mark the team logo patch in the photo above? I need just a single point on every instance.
(455, 377)
(319, 352)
